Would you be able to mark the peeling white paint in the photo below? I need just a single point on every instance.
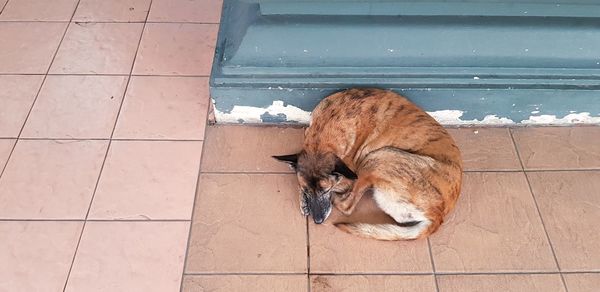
(251, 114)
(453, 117)
(573, 118)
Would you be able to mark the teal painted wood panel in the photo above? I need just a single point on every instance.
(478, 65)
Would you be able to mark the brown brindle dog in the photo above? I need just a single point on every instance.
(377, 143)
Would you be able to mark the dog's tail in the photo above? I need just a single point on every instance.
(400, 231)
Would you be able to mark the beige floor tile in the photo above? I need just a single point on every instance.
(501, 283)
(164, 108)
(176, 49)
(245, 283)
(28, 47)
(582, 282)
(35, 10)
(148, 180)
(36, 256)
(247, 223)
(186, 11)
(129, 256)
(372, 283)
(16, 99)
(98, 48)
(570, 206)
(50, 179)
(76, 107)
(559, 147)
(112, 10)
(334, 251)
(495, 227)
(6, 146)
(249, 149)
(486, 148)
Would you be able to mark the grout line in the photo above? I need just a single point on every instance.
(3, 167)
(4, 6)
(538, 211)
(245, 274)
(183, 22)
(245, 172)
(435, 280)
(389, 274)
(187, 245)
(562, 170)
(93, 220)
(308, 286)
(108, 139)
(109, 142)
(513, 273)
(492, 170)
(106, 21)
(105, 74)
(62, 74)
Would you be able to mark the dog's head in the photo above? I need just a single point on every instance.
(321, 177)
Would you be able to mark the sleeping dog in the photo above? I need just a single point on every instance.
(377, 143)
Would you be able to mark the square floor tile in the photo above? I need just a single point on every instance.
(164, 108)
(334, 251)
(76, 107)
(50, 179)
(112, 10)
(186, 11)
(176, 49)
(372, 283)
(247, 223)
(36, 10)
(36, 256)
(486, 148)
(6, 146)
(98, 48)
(148, 180)
(28, 47)
(501, 283)
(245, 283)
(582, 282)
(495, 227)
(570, 206)
(16, 99)
(129, 256)
(249, 148)
(559, 147)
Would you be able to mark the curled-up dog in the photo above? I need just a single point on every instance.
(376, 143)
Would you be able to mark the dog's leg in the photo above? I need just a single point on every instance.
(346, 203)
(304, 209)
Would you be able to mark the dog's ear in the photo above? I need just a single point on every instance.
(291, 160)
(343, 169)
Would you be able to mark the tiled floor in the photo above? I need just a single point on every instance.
(109, 182)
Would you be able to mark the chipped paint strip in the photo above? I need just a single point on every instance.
(572, 118)
(453, 117)
(250, 114)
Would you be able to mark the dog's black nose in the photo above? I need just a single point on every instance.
(318, 220)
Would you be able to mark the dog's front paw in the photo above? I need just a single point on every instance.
(304, 209)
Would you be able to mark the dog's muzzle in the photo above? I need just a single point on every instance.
(320, 207)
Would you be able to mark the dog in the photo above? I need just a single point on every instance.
(377, 143)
